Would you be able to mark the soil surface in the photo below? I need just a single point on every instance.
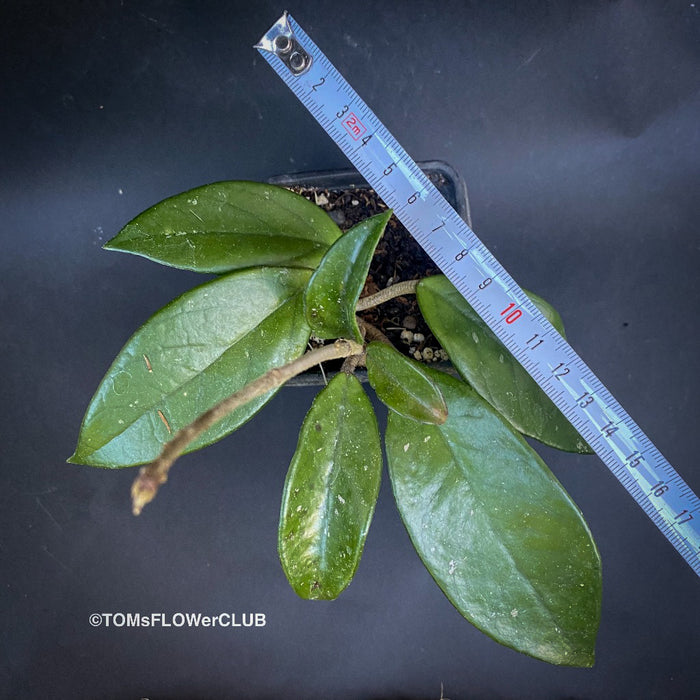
(397, 258)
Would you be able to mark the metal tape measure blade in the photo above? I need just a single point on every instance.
(485, 284)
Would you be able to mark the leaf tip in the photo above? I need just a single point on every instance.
(115, 243)
(316, 590)
(584, 659)
(80, 456)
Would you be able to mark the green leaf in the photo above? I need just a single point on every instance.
(496, 530)
(330, 491)
(191, 354)
(489, 367)
(549, 312)
(336, 285)
(229, 226)
(404, 385)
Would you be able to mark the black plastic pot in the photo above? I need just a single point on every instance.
(445, 178)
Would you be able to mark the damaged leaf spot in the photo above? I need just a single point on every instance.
(161, 415)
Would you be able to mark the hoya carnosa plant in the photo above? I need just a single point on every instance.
(491, 523)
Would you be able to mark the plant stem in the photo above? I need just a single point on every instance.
(395, 290)
(371, 332)
(150, 477)
(352, 362)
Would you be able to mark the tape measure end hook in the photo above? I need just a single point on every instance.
(281, 41)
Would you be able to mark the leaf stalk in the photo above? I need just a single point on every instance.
(395, 290)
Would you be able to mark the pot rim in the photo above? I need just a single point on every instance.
(349, 178)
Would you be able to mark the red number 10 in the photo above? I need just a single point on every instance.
(513, 316)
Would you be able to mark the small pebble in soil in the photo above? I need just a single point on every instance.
(338, 216)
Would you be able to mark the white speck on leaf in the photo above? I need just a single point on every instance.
(406, 446)
(514, 613)
(452, 567)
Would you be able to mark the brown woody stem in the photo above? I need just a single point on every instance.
(151, 476)
(395, 290)
(352, 362)
(370, 332)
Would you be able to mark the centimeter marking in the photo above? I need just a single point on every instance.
(484, 283)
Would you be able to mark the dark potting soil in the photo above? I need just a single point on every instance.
(397, 258)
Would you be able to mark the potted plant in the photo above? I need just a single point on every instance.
(493, 526)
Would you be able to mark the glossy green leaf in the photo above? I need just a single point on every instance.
(229, 226)
(549, 312)
(330, 491)
(404, 385)
(191, 354)
(489, 367)
(336, 285)
(496, 530)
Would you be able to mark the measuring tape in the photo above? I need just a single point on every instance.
(483, 282)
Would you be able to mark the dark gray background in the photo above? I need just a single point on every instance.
(575, 125)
